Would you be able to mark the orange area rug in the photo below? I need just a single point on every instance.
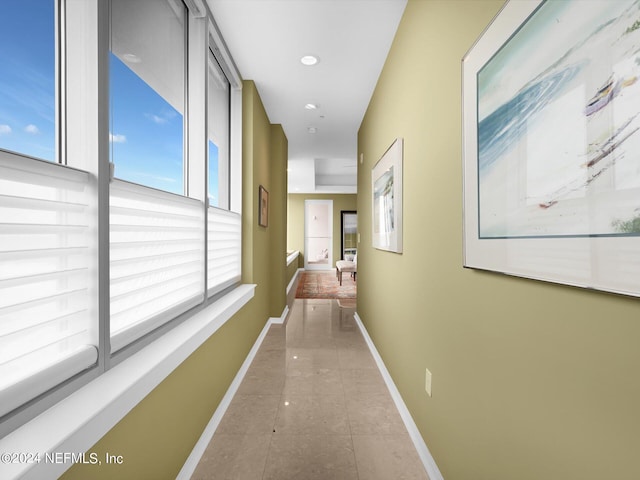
(325, 285)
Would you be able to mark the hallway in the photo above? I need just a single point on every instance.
(313, 405)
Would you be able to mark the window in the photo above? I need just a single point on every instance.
(67, 228)
(157, 239)
(224, 226)
(27, 78)
(147, 92)
(47, 331)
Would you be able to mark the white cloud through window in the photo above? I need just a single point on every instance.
(160, 119)
(117, 138)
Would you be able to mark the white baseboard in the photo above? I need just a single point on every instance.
(279, 320)
(425, 456)
(201, 445)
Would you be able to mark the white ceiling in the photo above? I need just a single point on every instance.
(267, 38)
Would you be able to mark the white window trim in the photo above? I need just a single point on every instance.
(76, 423)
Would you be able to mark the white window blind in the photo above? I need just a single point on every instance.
(48, 326)
(224, 249)
(218, 126)
(157, 259)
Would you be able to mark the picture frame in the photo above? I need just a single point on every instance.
(263, 207)
(386, 199)
(551, 145)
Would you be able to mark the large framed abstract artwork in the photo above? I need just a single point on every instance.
(386, 208)
(551, 144)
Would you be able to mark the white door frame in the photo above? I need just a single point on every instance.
(311, 266)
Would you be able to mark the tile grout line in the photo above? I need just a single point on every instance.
(191, 463)
(275, 419)
(346, 408)
(346, 405)
(428, 462)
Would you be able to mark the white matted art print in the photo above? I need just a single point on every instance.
(386, 188)
(551, 133)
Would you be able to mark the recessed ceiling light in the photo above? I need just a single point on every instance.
(131, 58)
(311, 106)
(312, 129)
(309, 60)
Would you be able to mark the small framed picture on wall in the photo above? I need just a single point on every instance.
(263, 207)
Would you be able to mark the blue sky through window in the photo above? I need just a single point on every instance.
(27, 78)
(214, 196)
(146, 132)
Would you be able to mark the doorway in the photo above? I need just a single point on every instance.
(318, 234)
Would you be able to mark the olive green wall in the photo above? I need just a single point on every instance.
(264, 164)
(530, 380)
(295, 226)
(156, 437)
(278, 220)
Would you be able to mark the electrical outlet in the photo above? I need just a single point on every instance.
(427, 382)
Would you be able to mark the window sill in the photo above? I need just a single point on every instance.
(80, 420)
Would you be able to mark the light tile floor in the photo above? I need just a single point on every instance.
(312, 406)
